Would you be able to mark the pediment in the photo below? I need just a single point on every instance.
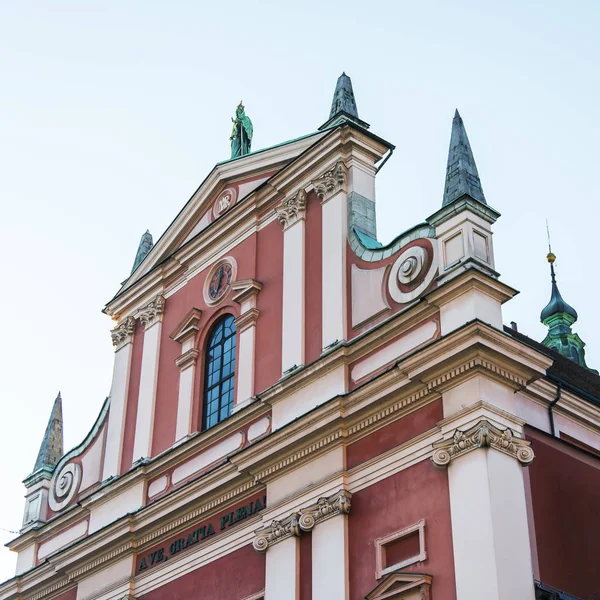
(227, 185)
(402, 586)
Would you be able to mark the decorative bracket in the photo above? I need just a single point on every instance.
(152, 312)
(123, 333)
(304, 520)
(482, 435)
(330, 182)
(292, 209)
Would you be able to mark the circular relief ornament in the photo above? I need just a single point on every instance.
(64, 486)
(408, 268)
(218, 282)
(224, 202)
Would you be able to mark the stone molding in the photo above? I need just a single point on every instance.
(187, 359)
(152, 312)
(292, 209)
(247, 319)
(188, 328)
(482, 435)
(330, 182)
(303, 520)
(122, 334)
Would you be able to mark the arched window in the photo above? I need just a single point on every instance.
(219, 374)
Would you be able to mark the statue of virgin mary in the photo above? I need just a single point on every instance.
(241, 136)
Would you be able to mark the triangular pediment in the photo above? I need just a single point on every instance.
(228, 184)
(402, 586)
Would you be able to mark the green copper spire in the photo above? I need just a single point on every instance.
(558, 316)
(462, 178)
(143, 250)
(51, 449)
(343, 105)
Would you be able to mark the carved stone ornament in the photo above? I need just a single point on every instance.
(482, 435)
(148, 315)
(304, 520)
(331, 181)
(292, 209)
(122, 332)
(64, 485)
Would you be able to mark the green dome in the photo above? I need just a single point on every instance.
(557, 305)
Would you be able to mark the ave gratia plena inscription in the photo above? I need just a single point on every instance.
(215, 526)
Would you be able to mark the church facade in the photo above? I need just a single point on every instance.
(298, 412)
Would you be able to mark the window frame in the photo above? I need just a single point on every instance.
(224, 321)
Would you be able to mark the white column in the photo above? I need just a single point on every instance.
(330, 559)
(492, 554)
(291, 214)
(283, 570)
(122, 337)
(330, 188)
(151, 317)
(185, 334)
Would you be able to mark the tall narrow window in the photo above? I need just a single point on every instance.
(220, 370)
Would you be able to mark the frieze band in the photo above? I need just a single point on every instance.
(482, 435)
(303, 520)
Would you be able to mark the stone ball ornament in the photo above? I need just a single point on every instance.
(64, 486)
(410, 268)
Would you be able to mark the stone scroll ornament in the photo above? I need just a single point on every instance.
(482, 435)
(331, 181)
(292, 209)
(303, 520)
(64, 486)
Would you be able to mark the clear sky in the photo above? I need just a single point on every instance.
(112, 112)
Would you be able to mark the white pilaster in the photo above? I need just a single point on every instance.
(330, 188)
(291, 214)
(122, 337)
(330, 559)
(492, 555)
(151, 317)
(283, 570)
(185, 334)
(246, 294)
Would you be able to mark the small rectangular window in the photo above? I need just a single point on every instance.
(400, 549)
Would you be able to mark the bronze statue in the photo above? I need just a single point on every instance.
(241, 136)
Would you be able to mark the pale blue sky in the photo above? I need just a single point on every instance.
(112, 112)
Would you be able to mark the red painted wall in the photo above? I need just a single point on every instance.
(419, 492)
(235, 576)
(313, 279)
(565, 495)
(394, 434)
(69, 595)
(132, 397)
(306, 566)
(269, 269)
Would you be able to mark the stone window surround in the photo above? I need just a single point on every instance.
(380, 543)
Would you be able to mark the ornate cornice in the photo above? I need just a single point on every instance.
(482, 435)
(330, 182)
(123, 333)
(303, 520)
(292, 209)
(151, 313)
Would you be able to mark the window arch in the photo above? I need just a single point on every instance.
(219, 373)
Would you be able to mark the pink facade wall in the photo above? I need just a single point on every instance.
(313, 279)
(419, 492)
(565, 496)
(237, 575)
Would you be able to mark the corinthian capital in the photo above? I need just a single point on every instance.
(304, 520)
(330, 182)
(123, 332)
(482, 435)
(292, 209)
(151, 313)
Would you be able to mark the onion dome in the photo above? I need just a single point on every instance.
(556, 305)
